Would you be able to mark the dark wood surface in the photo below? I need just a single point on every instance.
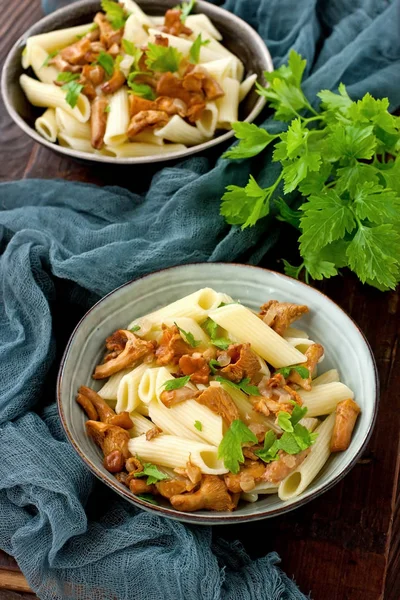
(344, 545)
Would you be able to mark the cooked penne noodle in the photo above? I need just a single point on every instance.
(196, 306)
(148, 137)
(46, 125)
(172, 451)
(300, 478)
(128, 389)
(51, 96)
(184, 45)
(180, 132)
(207, 124)
(46, 74)
(295, 333)
(53, 40)
(247, 327)
(220, 51)
(135, 10)
(118, 119)
(310, 423)
(228, 105)
(143, 149)
(202, 24)
(68, 141)
(191, 326)
(140, 424)
(329, 377)
(71, 126)
(322, 399)
(221, 68)
(109, 391)
(246, 86)
(134, 31)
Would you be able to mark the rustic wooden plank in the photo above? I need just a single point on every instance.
(10, 595)
(13, 580)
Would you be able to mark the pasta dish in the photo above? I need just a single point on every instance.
(208, 403)
(128, 84)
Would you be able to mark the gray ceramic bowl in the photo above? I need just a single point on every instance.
(238, 36)
(345, 348)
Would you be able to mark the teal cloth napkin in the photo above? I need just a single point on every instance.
(65, 244)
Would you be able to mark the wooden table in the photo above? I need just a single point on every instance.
(344, 545)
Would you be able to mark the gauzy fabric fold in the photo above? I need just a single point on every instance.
(63, 245)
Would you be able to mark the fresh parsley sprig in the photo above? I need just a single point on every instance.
(300, 369)
(152, 472)
(163, 59)
(116, 14)
(242, 386)
(198, 425)
(194, 52)
(186, 8)
(211, 328)
(49, 57)
(295, 437)
(177, 383)
(71, 86)
(107, 62)
(188, 337)
(230, 448)
(345, 162)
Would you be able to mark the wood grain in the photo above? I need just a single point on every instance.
(344, 545)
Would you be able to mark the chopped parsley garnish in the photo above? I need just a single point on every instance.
(71, 86)
(214, 365)
(186, 8)
(300, 369)
(152, 472)
(107, 62)
(107, 110)
(135, 327)
(176, 384)
(194, 52)
(115, 13)
(230, 448)
(243, 385)
(129, 47)
(48, 59)
(294, 439)
(189, 337)
(148, 498)
(211, 328)
(143, 91)
(163, 59)
(198, 425)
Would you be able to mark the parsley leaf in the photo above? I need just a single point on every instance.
(189, 337)
(107, 62)
(177, 383)
(71, 86)
(198, 425)
(253, 140)
(245, 205)
(294, 439)
(285, 422)
(135, 327)
(142, 90)
(49, 57)
(186, 8)
(148, 498)
(115, 13)
(152, 472)
(243, 385)
(377, 204)
(163, 59)
(211, 328)
(214, 365)
(230, 448)
(271, 447)
(129, 47)
(194, 52)
(300, 369)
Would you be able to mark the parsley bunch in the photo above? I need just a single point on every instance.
(71, 86)
(344, 160)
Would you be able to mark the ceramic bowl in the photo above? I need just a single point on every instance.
(345, 348)
(238, 37)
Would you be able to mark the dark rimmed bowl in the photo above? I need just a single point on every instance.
(238, 36)
(345, 348)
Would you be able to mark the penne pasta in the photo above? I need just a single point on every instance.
(46, 74)
(323, 399)
(128, 389)
(184, 46)
(46, 125)
(79, 144)
(118, 119)
(109, 391)
(300, 478)
(228, 105)
(192, 327)
(180, 132)
(148, 137)
(246, 86)
(220, 51)
(207, 124)
(295, 333)
(135, 10)
(53, 40)
(202, 24)
(247, 327)
(71, 126)
(221, 68)
(140, 424)
(51, 96)
(330, 376)
(172, 451)
(134, 31)
(143, 149)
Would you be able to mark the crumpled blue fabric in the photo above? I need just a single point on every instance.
(63, 245)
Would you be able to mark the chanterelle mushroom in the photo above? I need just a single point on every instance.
(313, 354)
(244, 363)
(87, 396)
(212, 495)
(113, 441)
(135, 348)
(220, 402)
(279, 315)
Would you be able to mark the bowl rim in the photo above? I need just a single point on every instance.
(98, 158)
(232, 518)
